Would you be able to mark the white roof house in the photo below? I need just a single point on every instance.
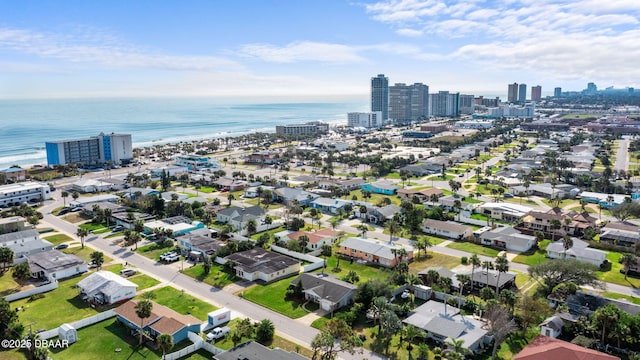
(580, 251)
(105, 287)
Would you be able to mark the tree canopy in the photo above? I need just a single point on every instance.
(558, 271)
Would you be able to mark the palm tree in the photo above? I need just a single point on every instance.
(65, 195)
(606, 317)
(97, 257)
(230, 197)
(363, 228)
(456, 346)
(82, 233)
(411, 332)
(107, 215)
(392, 226)
(252, 227)
(555, 224)
(165, 343)
(475, 262)
(502, 265)
(143, 310)
(628, 261)
(567, 243)
(487, 265)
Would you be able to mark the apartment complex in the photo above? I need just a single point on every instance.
(95, 150)
(365, 120)
(25, 192)
(444, 104)
(522, 93)
(512, 92)
(408, 102)
(536, 93)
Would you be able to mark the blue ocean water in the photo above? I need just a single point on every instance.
(25, 125)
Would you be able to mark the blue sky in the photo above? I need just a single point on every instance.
(312, 48)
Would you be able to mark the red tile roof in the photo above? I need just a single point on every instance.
(546, 348)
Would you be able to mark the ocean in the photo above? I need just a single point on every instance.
(25, 125)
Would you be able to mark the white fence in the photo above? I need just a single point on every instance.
(316, 262)
(198, 343)
(26, 293)
(80, 323)
(468, 220)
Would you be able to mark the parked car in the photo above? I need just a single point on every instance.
(167, 254)
(405, 294)
(127, 272)
(218, 333)
(62, 246)
(172, 258)
(507, 195)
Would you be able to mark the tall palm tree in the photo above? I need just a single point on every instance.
(392, 226)
(628, 261)
(502, 266)
(567, 243)
(487, 265)
(65, 195)
(475, 262)
(143, 310)
(165, 343)
(82, 233)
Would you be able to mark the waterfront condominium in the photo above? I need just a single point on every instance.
(536, 93)
(408, 102)
(380, 95)
(522, 93)
(365, 120)
(512, 94)
(444, 104)
(95, 150)
(557, 92)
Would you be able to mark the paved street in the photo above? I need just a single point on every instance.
(622, 156)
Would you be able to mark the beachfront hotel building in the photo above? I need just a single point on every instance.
(408, 102)
(380, 95)
(444, 104)
(95, 150)
(512, 93)
(365, 120)
(309, 128)
(24, 192)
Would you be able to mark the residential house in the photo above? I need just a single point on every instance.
(171, 195)
(13, 224)
(374, 251)
(552, 326)
(483, 278)
(253, 192)
(14, 174)
(197, 246)
(423, 195)
(342, 184)
(24, 243)
(90, 200)
(87, 185)
(260, 264)
(584, 304)
(106, 288)
(264, 157)
(161, 321)
(422, 169)
(252, 350)
(377, 214)
(327, 291)
(580, 251)
(317, 238)
(229, 184)
(503, 211)
(384, 187)
(55, 265)
(448, 203)
(238, 217)
(128, 219)
(289, 196)
(607, 201)
(571, 223)
(442, 322)
(447, 229)
(547, 348)
(328, 205)
(87, 210)
(505, 237)
(135, 193)
(179, 225)
(622, 234)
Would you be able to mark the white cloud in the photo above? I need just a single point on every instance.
(97, 49)
(303, 51)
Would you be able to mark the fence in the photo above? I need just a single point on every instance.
(45, 335)
(37, 290)
(316, 262)
(198, 343)
(468, 220)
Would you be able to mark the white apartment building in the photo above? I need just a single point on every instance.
(365, 120)
(16, 194)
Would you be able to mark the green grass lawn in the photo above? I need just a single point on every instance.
(534, 257)
(404, 233)
(614, 275)
(612, 295)
(270, 232)
(217, 276)
(421, 261)
(143, 281)
(64, 301)
(364, 271)
(91, 226)
(474, 248)
(154, 250)
(101, 340)
(7, 284)
(182, 302)
(272, 296)
(58, 238)
(84, 254)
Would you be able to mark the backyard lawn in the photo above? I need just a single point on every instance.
(533, 257)
(474, 248)
(66, 302)
(58, 239)
(272, 296)
(102, 339)
(143, 281)
(364, 271)
(7, 284)
(217, 276)
(421, 262)
(614, 275)
(84, 254)
(154, 250)
(182, 302)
